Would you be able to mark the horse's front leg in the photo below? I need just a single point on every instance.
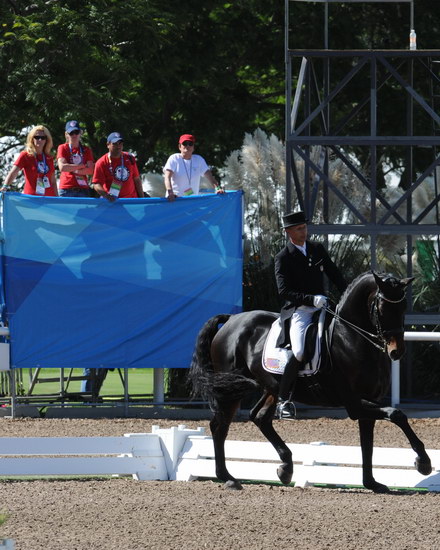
(219, 426)
(368, 410)
(422, 461)
(366, 433)
(263, 419)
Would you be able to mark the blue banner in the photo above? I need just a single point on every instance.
(91, 284)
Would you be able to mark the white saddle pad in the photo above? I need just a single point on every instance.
(275, 359)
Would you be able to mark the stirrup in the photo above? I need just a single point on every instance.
(285, 410)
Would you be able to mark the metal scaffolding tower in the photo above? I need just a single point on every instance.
(334, 99)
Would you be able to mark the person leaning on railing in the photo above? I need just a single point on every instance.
(116, 173)
(183, 171)
(37, 164)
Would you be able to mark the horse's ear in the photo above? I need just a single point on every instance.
(376, 278)
(407, 281)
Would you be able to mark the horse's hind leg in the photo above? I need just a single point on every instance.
(262, 417)
(219, 429)
(257, 407)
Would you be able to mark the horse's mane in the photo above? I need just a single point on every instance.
(354, 283)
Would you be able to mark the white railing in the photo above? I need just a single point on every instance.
(184, 454)
(144, 456)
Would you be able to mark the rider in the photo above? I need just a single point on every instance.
(299, 270)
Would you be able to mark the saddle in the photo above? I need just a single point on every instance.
(275, 359)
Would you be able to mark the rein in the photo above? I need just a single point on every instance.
(381, 334)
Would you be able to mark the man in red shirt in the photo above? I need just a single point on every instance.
(116, 173)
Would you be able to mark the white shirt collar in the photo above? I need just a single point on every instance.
(302, 248)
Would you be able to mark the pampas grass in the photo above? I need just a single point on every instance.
(258, 168)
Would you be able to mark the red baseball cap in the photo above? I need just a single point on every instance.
(186, 137)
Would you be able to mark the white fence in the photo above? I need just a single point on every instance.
(144, 456)
(181, 454)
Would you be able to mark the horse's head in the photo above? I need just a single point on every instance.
(388, 307)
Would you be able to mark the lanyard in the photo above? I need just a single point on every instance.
(186, 170)
(81, 153)
(43, 164)
(112, 172)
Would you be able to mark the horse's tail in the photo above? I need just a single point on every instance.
(214, 386)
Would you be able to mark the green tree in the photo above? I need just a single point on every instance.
(150, 69)
(156, 68)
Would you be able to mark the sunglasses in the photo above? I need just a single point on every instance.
(188, 143)
(74, 133)
(40, 137)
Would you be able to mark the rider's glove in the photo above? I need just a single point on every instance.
(319, 301)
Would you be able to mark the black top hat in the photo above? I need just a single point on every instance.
(294, 218)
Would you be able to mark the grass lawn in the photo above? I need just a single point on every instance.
(140, 381)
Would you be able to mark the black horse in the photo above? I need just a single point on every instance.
(367, 332)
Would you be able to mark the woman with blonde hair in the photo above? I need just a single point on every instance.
(37, 164)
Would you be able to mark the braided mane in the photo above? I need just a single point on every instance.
(360, 278)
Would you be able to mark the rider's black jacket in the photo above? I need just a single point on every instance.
(299, 278)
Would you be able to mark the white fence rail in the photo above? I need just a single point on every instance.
(138, 455)
(144, 456)
(314, 463)
(181, 454)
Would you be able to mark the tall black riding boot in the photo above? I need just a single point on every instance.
(285, 407)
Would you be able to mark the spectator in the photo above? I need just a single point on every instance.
(182, 171)
(37, 165)
(116, 173)
(75, 162)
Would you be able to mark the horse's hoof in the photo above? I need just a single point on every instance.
(376, 487)
(423, 468)
(285, 474)
(233, 485)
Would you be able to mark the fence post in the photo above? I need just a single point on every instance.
(395, 383)
(159, 386)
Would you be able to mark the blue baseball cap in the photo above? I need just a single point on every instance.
(114, 137)
(72, 125)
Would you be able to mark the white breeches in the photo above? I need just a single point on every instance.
(301, 319)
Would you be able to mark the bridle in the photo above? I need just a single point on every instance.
(380, 339)
(385, 335)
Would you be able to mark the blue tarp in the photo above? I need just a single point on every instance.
(93, 284)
